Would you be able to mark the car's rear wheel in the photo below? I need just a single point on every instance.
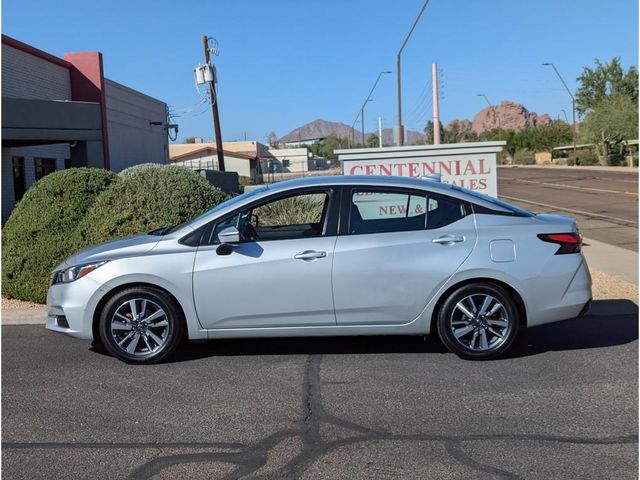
(478, 321)
(141, 325)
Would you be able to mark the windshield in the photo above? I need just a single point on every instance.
(227, 203)
(507, 206)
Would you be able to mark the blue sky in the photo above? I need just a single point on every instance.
(283, 63)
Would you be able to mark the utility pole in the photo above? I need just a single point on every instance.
(573, 106)
(379, 132)
(214, 106)
(399, 133)
(436, 110)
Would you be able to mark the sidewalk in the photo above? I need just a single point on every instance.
(614, 261)
(595, 168)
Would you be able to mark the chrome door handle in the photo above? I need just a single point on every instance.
(310, 255)
(448, 239)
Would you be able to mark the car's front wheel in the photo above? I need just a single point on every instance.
(478, 321)
(141, 325)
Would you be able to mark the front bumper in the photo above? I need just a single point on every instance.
(70, 307)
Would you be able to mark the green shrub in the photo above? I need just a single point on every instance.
(146, 198)
(588, 158)
(40, 232)
(524, 157)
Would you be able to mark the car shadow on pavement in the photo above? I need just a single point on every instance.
(609, 323)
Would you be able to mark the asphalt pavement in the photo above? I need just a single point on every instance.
(562, 405)
(604, 202)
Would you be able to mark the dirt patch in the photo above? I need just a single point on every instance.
(13, 304)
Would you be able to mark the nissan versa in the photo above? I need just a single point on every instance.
(344, 255)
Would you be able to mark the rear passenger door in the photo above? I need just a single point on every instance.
(395, 250)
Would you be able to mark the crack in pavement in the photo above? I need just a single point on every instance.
(248, 459)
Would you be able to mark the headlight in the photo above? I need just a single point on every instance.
(73, 273)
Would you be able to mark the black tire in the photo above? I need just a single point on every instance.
(505, 321)
(149, 351)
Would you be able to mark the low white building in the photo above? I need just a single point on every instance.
(62, 112)
(204, 156)
(288, 160)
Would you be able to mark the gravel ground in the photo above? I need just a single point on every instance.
(608, 287)
(13, 304)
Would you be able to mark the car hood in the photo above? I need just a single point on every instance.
(124, 247)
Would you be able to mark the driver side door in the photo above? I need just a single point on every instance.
(279, 274)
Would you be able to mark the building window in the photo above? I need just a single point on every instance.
(44, 166)
(18, 178)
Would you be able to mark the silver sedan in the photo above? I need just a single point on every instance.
(329, 256)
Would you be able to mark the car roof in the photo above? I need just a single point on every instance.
(355, 180)
(406, 182)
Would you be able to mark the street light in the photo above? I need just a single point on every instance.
(400, 128)
(361, 112)
(566, 119)
(495, 115)
(573, 103)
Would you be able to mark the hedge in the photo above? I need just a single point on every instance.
(148, 197)
(41, 231)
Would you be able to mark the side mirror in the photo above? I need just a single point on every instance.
(229, 235)
(227, 238)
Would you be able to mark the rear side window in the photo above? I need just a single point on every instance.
(376, 211)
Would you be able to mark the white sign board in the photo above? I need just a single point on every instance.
(471, 166)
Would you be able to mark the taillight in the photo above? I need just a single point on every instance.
(569, 242)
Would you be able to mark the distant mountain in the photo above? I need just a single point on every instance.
(508, 115)
(322, 128)
(317, 129)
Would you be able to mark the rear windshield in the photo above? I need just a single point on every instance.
(507, 206)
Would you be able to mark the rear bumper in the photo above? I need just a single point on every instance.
(552, 301)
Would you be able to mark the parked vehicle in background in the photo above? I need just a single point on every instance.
(353, 255)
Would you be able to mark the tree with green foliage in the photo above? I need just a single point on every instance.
(190, 140)
(604, 81)
(610, 123)
(373, 141)
(428, 132)
(325, 147)
(459, 132)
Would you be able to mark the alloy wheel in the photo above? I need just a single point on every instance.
(479, 322)
(139, 327)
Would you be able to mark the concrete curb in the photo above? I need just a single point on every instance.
(24, 316)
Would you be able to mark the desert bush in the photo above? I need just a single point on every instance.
(40, 232)
(146, 198)
(524, 157)
(588, 158)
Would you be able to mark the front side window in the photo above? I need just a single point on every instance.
(296, 216)
(376, 211)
